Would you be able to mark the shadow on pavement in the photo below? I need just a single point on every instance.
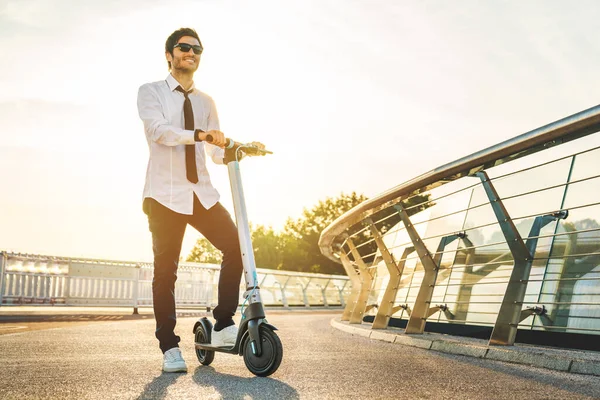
(233, 387)
(157, 389)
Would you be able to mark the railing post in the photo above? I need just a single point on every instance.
(17, 291)
(36, 282)
(464, 294)
(3, 265)
(26, 284)
(136, 289)
(341, 293)
(356, 285)
(67, 283)
(366, 283)
(48, 282)
(565, 289)
(384, 312)
(283, 297)
(304, 295)
(211, 292)
(262, 281)
(507, 323)
(421, 310)
(324, 293)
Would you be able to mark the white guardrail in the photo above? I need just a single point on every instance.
(38, 279)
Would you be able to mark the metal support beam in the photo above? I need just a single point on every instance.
(366, 279)
(370, 307)
(356, 286)
(505, 329)
(404, 307)
(571, 266)
(416, 323)
(440, 307)
(466, 290)
(529, 311)
(386, 309)
(384, 312)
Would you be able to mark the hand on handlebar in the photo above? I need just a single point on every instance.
(258, 145)
(235, 151)
(216, 137)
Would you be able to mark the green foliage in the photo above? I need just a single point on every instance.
(301, 236)
(205, 252)
(268, 247)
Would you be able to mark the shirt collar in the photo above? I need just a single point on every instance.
(172, 82)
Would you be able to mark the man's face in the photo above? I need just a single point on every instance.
(184, 61)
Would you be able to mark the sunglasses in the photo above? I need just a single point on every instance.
(184, 47)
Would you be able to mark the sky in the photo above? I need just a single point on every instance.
(349, 95)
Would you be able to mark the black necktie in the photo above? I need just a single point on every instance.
(190, 149)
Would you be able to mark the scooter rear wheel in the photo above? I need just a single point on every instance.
(204, 356)
(270, 358)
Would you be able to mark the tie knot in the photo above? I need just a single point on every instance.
(182, 90)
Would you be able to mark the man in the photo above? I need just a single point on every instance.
(177, 119)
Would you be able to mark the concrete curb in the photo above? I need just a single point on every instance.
(565, 360)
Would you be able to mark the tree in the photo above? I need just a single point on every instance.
(268, 247)
(301, 236)
(205, 252)
(265, 242)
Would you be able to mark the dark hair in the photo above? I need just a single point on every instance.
(174, 38)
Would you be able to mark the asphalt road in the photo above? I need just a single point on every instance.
(121, 360)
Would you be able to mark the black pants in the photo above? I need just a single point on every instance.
(167, 228)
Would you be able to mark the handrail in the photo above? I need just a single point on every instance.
(134, 264)
(564, 130)
(40, 279)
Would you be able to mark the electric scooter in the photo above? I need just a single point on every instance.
(256, 341)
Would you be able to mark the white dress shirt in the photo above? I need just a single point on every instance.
(161, 109)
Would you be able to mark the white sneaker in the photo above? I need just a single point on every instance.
(173, 361)
(226, 337)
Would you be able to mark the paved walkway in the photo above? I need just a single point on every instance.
(121, 360)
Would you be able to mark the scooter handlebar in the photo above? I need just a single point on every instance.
(248, 148)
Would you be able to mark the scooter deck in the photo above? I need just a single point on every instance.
(223, 349)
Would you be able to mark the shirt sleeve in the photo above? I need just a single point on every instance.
(215, 152)
(156, 126)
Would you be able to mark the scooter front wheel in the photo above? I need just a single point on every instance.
(204, 356)
(270, 358)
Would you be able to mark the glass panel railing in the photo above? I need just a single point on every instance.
(459, 215)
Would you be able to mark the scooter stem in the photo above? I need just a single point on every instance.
(241, 217)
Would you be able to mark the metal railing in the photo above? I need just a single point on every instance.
(508, 237)
(36, 279)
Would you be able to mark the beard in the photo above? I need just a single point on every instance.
(182, 66)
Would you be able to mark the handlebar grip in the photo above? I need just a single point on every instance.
(232, 144)
(228, 142)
